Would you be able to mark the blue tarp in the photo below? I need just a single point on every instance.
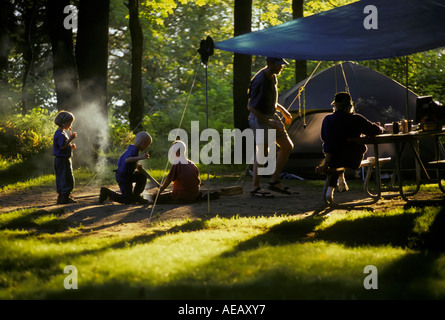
(403, 27)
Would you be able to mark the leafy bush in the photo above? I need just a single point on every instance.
(120, 135)
(25, 135)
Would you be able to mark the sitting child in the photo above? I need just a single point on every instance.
(185, 177)
(129, 171)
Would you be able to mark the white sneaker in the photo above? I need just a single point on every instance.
(342, 186)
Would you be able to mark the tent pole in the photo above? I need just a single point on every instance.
(207, 126)
(206, 50)
(406, 87)
(336, 89)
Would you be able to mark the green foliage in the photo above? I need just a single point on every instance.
(25, 135)
(425, 72)
(157, 10)
(120, 135)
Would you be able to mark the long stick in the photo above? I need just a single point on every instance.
(207, 125)
(146, 174)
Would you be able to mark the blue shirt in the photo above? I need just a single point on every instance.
(59, 140)
(125, 170)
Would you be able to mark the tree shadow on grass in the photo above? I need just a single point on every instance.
(289, 231)
(405, 278)
(412, 276)
(46, 265)
(270, 285)
(28, 222)
(372, 230)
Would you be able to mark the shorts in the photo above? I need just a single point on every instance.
(263, 139)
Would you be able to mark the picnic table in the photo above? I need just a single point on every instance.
(400, 141)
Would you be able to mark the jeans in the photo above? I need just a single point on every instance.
(64, 175)
(128, 193)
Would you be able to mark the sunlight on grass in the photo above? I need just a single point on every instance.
(355, 215)
(41, 181)
(280, 257)
(31, 217)
(6, 163)
(423, 222)
(422, 218)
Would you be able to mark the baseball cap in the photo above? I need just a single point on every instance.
(279, 61)
(342, 98)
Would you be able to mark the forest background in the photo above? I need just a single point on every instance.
(135, 66)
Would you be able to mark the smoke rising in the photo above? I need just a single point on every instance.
(91, 125)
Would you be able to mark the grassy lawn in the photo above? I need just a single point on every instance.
(279, 257)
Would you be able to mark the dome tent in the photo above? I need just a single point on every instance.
(375, 96)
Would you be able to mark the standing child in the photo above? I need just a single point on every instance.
(62, 150)
(128, 173)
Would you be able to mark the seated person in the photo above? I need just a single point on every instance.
(129, 171)
(337, 132)
(185, 177)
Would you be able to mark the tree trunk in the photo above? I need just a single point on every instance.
(28, 51)
(64, 64)
(137, 40)
(242, 65)
(5, 12)
(91, 55)
(300, 65)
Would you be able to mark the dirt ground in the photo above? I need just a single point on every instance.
(116, 218)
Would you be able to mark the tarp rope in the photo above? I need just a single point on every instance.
(344, 77)
(301, 91)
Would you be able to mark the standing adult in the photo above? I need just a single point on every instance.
(264, 107)
(338, 131)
